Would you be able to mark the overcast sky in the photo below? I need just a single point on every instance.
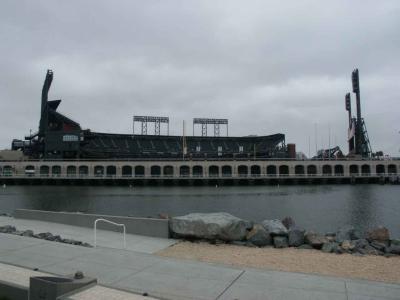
(268, 66)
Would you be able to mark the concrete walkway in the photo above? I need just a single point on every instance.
(168, 278)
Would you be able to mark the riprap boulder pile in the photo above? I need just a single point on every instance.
(48, 236)
(225, 228)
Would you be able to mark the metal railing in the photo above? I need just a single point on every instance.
(110, 222)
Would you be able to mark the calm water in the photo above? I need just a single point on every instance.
(323, 207)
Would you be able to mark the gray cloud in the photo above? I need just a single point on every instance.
(266, 66)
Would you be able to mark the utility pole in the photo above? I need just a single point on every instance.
(329, 147)
(183, 141)
(316, 139)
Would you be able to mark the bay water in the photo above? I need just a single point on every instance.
(315, 207)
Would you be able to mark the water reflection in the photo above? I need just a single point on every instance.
(362, 207)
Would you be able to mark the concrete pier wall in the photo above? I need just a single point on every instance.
(140, 226)
(199, 170)
(10, 290)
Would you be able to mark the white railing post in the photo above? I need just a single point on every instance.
(110, 222)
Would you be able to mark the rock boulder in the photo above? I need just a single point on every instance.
(259, 236)
(380, 234)
(329, 247)
(288, 222)
(281, 242)
(393, 250)
(275, 227)
(378, 245)
(369, 250)
(359, 245)
(28, 233)
(296, 236)
(45, 235)
(316, 240)
(306, 247)
(221, 226)
(347, 233)
(7, 229)
(348, 245)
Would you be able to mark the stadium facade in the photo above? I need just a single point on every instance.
(60, 137)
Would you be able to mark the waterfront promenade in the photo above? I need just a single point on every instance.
(138, 271)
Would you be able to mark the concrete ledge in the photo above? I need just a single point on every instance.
(140, 226)
(13, 291)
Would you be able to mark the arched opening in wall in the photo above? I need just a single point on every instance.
(243, 171)
(126, 171)
(99, 171)
(30, 171)
(83, 171)
(155, 171)
(111, 171)
(255, 171)
(353, 170)
(299, 170)
(71, 171)
(44, 171)
(365, 170)
(184, 171)
(139, 171)
(226, 171)
(380, 169)
(271, 170)
(283, 170)
(339, 170)
(392, 169)
(168, 171)
(56, 171)
(213, 171)
(197, 171)
(327, 170)
(7, 171)
(311, 170)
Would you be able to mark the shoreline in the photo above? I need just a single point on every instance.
(368, 267)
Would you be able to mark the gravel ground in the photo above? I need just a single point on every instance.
(369, 267)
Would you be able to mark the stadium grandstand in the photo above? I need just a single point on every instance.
(59, 137)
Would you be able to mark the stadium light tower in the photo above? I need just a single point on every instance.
(144, 120)
(204, 122)
(358, 136)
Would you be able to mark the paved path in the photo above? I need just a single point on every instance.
(169, 278)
